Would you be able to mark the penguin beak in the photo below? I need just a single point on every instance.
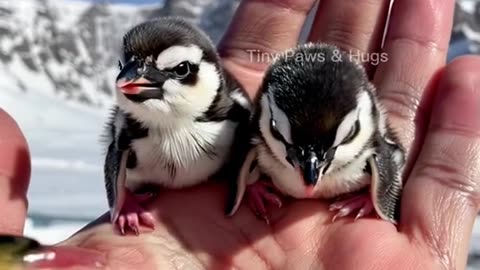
(314, 168)
(311, 169)
(308, 164)
(135, 79)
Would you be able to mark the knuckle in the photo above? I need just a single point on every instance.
(294, 5)
(458, 192)
(453, 176)
(419, 43)
(402, 100)
(461, 131)
(347, 37)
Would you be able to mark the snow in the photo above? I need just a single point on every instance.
(471, 34)
(67, 156)
(468, 5)
(52, 234)
(69, 11)
(17, 67)
(53, 53)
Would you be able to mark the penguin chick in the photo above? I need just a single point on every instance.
(318, 132)
(179, 117)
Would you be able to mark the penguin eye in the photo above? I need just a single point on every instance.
(353, 132)
(275, 133)
(290, 160)
(325, 169)
(273, 128)
(182, 70)
(328, 157)
(330, 154)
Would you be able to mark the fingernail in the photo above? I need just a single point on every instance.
(65, 257)
(266, 220)
(334, 218)
(334, 207)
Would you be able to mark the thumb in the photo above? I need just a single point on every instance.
(441, 197)
(14, 176)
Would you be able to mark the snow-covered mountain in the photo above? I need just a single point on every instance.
(70, 49)
(466, 28)
(63, 48)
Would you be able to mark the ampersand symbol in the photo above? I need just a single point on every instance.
(337, 56)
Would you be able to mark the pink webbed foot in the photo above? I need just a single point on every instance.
(361, 203)
(259, 193)
(132, 214)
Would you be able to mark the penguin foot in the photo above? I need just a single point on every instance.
(260, 193)
(132, 215)
(361, 203)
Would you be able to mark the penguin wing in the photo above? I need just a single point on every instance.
(249, 173)
(115, 176)
(386, 187)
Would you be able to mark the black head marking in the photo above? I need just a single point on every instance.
(273, 126)
(293, 151)
(145, 42)
(152, 37)
(316, 90)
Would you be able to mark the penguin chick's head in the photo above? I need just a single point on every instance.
(317, 113)
(168, 66)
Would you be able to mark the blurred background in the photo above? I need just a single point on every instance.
(58, 60)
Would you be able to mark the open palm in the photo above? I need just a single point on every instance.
(192, 233)
(433, 107)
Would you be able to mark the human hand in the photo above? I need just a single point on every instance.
(14, 176)
(435, 109)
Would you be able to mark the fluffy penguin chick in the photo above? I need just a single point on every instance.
(179, 117)
(319, 131)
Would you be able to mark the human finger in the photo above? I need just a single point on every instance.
(441, 198)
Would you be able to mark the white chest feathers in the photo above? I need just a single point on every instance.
(183, 155)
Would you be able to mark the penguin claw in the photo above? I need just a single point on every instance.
(266, 220)
(121, 224)
(135, 230)
(132, 216)
(147, 219)
(341, 213)
(258, 195)
(361, 203)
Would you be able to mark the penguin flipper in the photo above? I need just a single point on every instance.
(249, 173)
(115, 179)
(386, 187)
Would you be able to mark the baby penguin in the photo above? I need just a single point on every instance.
(180, 118)
(319, 131)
